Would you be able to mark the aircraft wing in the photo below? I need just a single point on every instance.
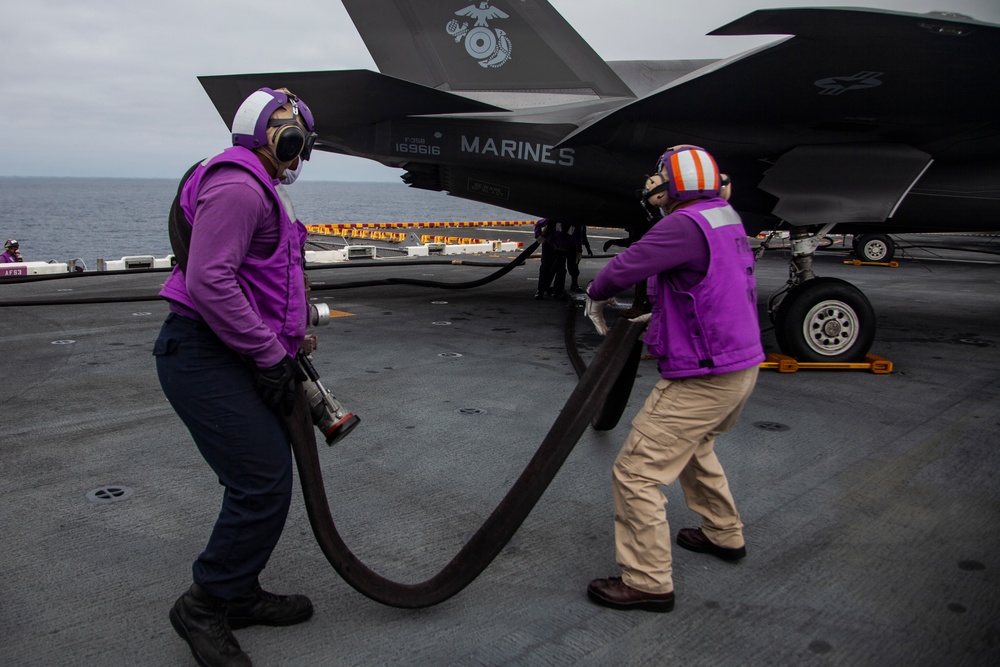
(471, 46)
(850, 110)
(892, 75)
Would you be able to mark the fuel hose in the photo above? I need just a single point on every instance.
(613, 408)
(503, 270)
(517, 261)
(586, 400)
(599, 398)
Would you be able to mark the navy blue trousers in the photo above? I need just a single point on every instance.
(555, 263)
(212, 390)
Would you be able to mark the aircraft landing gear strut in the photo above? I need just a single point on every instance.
(819, 319)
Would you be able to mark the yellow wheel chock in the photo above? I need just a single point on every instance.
(785, 364)
(858, 262)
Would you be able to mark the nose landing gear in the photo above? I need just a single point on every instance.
(820, 319)
(825, 319)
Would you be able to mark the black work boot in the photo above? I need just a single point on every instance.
(200, 620)
(258, 607)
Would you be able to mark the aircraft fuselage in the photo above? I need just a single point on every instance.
(522, 167)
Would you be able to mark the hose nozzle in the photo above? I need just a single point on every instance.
(329, 416)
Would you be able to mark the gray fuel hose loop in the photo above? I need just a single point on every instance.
(586, 400)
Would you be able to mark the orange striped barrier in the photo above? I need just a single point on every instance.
(340, 227)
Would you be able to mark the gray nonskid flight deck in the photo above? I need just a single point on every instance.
(871, 502)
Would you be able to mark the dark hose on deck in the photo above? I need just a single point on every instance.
(496, 275)
(517, 261)
(586, 400)
(614, 407)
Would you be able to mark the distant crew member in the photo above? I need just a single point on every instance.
(560, 244)
(11, 252)
(545, 261)
(225, 359)
(573, 267)
(704, 332)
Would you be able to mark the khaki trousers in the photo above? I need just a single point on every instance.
(674, 436)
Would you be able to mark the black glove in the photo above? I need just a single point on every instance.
(276, 384)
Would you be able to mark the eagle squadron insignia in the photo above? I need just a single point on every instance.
(491, 47)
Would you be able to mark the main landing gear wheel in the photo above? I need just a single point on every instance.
(825, 319)
(874, 248)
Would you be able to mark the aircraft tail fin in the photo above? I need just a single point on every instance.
(475, 45)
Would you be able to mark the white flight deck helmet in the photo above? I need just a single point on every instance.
(253, 119)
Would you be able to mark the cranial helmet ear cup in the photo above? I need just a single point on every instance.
(656, 190)
(654, 195)
(288, 140)
(251, 121)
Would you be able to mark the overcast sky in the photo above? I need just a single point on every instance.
(108, 88)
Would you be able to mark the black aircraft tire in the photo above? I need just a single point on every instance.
(825, 319)
(874, 248)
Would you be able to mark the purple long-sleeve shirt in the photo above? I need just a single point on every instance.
(675, 245)
(698, 268)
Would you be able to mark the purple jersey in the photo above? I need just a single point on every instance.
(698, 268)
(245, 267)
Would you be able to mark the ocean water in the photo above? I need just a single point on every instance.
(90, 218)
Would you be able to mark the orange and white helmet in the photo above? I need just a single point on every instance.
(690, 172)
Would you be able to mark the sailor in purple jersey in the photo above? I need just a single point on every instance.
(225, 359)
(562, 241)
(703, 330)
(11, 252)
